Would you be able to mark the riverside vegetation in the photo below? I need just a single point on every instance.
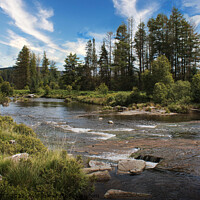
(44, 175)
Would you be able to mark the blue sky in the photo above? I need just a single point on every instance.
(63, 26)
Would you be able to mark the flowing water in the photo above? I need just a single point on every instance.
(61, 125)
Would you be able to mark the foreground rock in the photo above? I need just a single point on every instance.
(94, 163)
(101, 176)
(18, 157)
(116, 194)
(131, 166)
(96, 169)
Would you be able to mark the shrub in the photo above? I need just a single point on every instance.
(47, 90)
(6, 89)
(180, 91)
(102, 89)
(196, 88)
(68, 88)
(160, 92)
(47, 176)
(121, 99)
(24, 130)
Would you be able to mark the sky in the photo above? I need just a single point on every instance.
(60, 27)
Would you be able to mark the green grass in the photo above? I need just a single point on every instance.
(45, 175)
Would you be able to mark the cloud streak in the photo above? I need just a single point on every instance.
(29, 23)
(128, 8)
(194, 6)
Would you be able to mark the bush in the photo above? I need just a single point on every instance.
(47, 90)
(68, 88)
(6, 89)
(160, 92)
(102, 89)
(48, 176)
(196, 88)
(180, 91)
(40, 91)
(183, 109)
(121, 99)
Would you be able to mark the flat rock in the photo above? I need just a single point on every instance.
(131, 166)
(95, 163)
(95, 169)
(101, 176)
(115, 194)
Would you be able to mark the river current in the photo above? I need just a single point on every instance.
(68, 126)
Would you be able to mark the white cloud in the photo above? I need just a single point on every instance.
(43, 15)
(77, 47)
(97, 36)
(194, 6)
(18, 42)
(128, 8)
(29, 23)
(192, 3)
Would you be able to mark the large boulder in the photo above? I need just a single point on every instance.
(116, 194)
(101, 176)
(131, 166)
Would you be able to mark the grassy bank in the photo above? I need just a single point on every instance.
(44, 175)
(131, 99)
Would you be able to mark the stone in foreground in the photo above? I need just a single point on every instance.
(96, 169)
(94, 163)
(101, 176)
(116, 194)
(131, 166)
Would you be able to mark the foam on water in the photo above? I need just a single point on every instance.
(105, 136)
(115, 156)
(147, 126)
(119, 129)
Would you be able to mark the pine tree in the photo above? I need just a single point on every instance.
(140, 41)
(22, 73)
(33, 74)
(45, 69)
(104, 66)
(122, 81)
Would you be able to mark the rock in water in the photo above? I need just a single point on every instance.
(101, 176)
(95, 169)
(131, 166)
(110, 122)
(116, 194)
(94, 163)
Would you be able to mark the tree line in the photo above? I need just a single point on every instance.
(126, 60)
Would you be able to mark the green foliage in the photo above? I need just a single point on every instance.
(180, 92)
(102, 89)
(45, 176)
(47, 90)
(196, 88)
(6, 88)
(160, 92)
(183, 109)
(24, 130)
(25, 138)
(161, 71)
(68, 88)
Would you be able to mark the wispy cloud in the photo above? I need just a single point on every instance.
(29, 23)
(128, 8)
(194, 6)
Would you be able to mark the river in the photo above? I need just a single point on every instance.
(75, 125)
